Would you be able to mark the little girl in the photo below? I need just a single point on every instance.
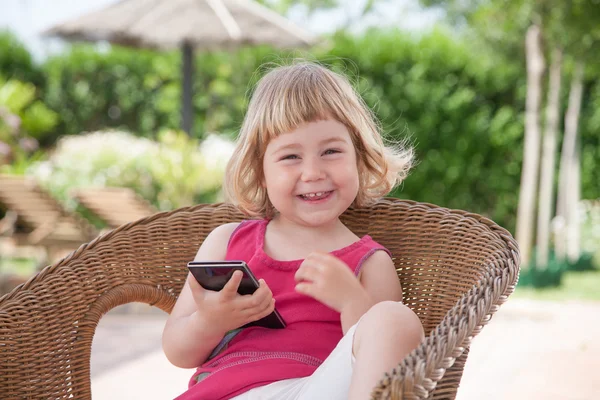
(308, 149)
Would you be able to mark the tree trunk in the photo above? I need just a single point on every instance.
(574, 193)
(547, 166)
(567, 189)
(529, 171)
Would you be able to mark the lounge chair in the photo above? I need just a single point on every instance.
(40, 219)
(114, 205)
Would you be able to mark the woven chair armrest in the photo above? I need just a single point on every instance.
(130, 293)
(418, 374)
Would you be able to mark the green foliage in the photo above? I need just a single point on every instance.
(578, 286)
(140, 90)
(549, 276)
(19, 98)
(571, 26)
(459, 108)
(22, 162)
(23, 120)
(589, 128)
(590, 233)
(16, 62)
(184, 172)
(283, 6)
(553, 274)
(171, 173)
(116, 89)
(584, 263)
(574, 25)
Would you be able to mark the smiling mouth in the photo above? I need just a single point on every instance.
(315, 196)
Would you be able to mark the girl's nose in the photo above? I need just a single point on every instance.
(312, 171)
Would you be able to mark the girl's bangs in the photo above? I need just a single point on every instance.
(291, 107)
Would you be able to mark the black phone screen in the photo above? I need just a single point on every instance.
(214, 277)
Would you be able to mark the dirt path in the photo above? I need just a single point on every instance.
(536, 350)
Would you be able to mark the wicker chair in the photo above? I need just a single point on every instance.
(456, 268)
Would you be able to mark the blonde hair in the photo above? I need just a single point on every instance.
(292, 95)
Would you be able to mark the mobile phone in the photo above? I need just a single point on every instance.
(213, 275)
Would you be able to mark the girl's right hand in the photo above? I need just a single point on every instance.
(226, 310)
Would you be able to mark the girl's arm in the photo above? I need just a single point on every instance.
(328, 279)
(380, 281)
(187, 337)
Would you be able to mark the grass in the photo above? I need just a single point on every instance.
(18, 266)
(582, 286)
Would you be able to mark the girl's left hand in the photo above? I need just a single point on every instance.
(329, 280)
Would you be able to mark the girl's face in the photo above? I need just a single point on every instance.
(311, 173)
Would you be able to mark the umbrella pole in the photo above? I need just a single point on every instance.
(187, 87)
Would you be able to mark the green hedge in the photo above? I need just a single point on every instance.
(552, 274)
(16, 62)
(140, 90)
(457, 107)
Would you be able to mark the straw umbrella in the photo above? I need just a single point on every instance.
(187, 25)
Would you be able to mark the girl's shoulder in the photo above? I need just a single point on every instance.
(247, 227)
(217, 244)
(223, 234)
(219, 237)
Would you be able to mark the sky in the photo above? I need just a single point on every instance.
(28, 18)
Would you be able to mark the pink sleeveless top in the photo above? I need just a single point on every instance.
(257, 356)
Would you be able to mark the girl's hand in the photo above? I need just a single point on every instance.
(225, 310)
(328, 279)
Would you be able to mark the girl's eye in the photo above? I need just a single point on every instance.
(331, 151)
(289, 157)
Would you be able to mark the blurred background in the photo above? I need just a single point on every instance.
(111, 111)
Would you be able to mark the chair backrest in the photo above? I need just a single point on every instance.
(41, 213)
(47, 324)
(114, 205)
